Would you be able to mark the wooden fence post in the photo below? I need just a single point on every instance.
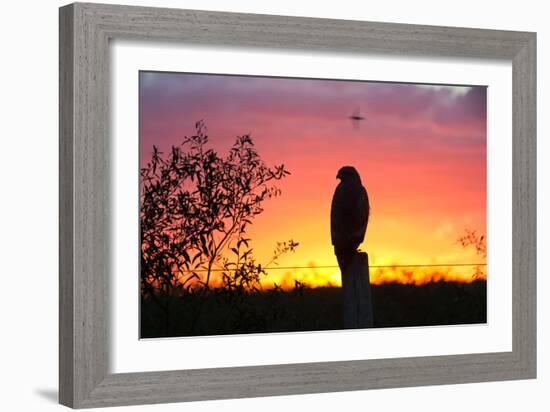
(357, 293)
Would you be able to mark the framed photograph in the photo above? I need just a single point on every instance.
(256, 205)
(212, 261)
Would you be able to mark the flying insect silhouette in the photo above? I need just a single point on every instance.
(356, 118)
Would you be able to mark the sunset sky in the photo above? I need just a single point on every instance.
(421, 154)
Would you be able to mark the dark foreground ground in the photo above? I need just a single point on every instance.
(394, 305)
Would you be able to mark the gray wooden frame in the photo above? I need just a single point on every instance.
(85, 31)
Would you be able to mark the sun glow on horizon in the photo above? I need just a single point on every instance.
(315, 277)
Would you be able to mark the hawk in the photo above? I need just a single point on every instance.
(349, 215)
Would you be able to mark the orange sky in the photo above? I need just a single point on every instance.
(421, 154)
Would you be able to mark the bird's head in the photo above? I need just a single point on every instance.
(348, 174)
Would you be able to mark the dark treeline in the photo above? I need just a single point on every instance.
(305, 309)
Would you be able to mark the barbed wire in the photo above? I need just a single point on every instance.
(370, 266)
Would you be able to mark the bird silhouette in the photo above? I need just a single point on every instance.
(349, 215)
